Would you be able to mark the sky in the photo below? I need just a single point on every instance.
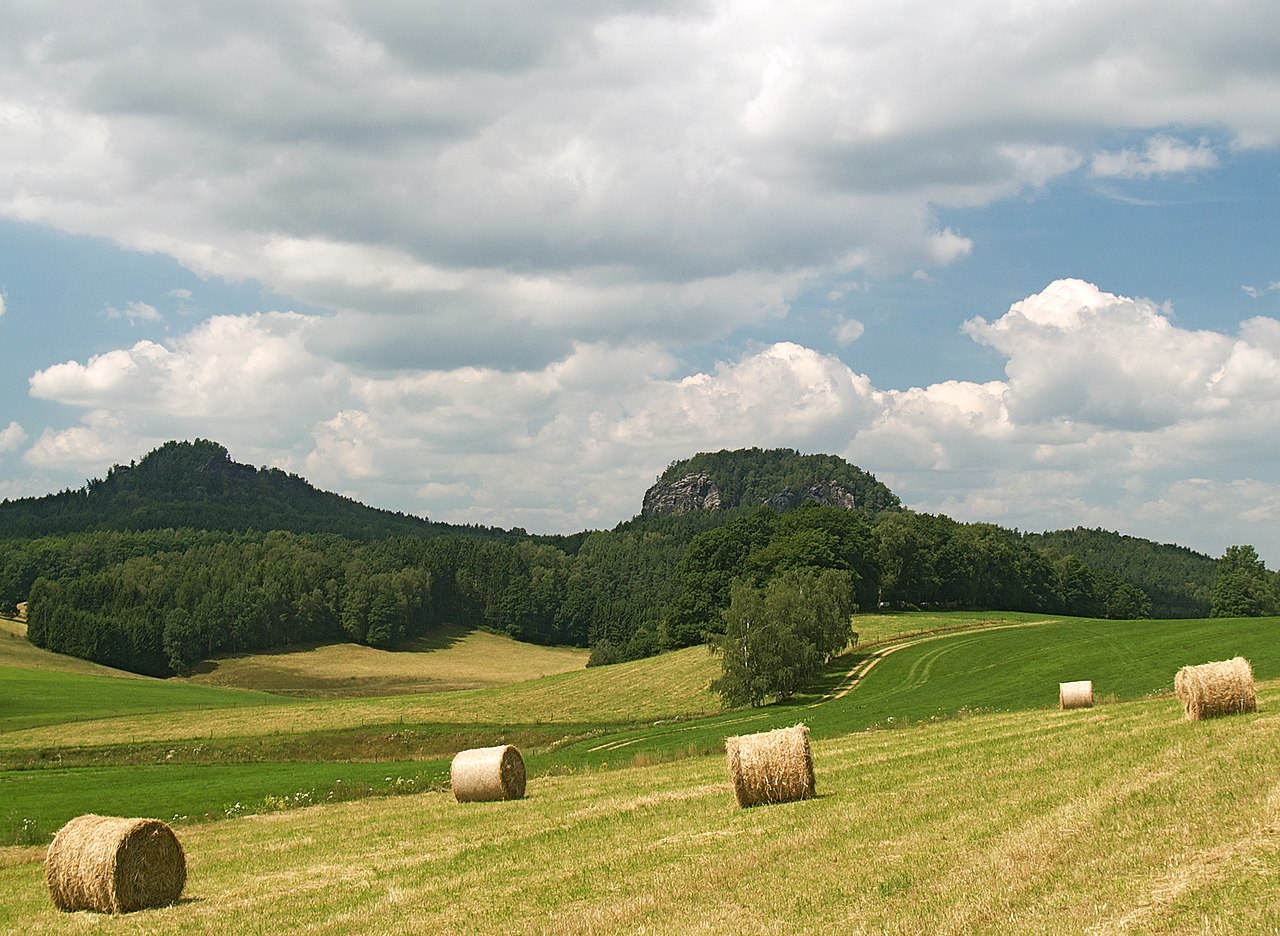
(503, 263)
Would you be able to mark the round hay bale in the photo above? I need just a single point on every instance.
(1072, 695)
(1213, 689)
(771, 767)
(486, 774)
(114, 865)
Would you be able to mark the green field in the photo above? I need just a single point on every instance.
(985, 810)
(30, 698)
(632, 714)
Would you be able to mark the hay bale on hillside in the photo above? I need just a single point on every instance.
(114, 865)
(484, 774)
(771, 767)
(1213, 689)
(1073, 695)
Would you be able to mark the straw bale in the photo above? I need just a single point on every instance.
(771, 767)
(114, 865)
(490, 773)
(1078, 694)
(1213, 689)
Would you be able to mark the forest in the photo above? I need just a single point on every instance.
(158, 566)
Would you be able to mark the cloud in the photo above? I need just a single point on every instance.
(3, 299)
(135, 312)
(1162, 155)
(1257, 292)
(594, 173)
(1077, 355)
(98, 443)
(244, 380)
(847, 331)
(1109, 415)
(12, 436)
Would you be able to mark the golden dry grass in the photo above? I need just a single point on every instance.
(771, 766)
(1121, 820)
(668, 686)
(453, 660)
(110, 864)
(482, 775)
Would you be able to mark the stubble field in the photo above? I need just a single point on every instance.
(1124, 818)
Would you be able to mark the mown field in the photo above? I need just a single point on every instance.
(954, 797)
(1123, 819)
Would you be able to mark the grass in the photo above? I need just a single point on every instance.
(965, 670)
(447, 660)
(673, 685)
(183, 793)
(1020, 667)
(31, 698)
(893, 625)
(647, 712)
(1120, 819)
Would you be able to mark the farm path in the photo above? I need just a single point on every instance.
(859, 672)
(847, 684)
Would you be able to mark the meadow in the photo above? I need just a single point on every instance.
(953, 797)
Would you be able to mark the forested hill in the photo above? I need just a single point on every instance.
(777, 478)
(1178, 580)
(187, 554)
(196, 485)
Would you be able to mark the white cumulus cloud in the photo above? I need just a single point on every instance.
(135, 311)
(1109, 414)
(12, 436)
(1162, 155)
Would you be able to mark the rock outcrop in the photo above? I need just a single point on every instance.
(823, 492)
(682, 496)
(782, 479)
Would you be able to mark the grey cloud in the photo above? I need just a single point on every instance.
(436, 343)
(493, 35)
(647, 146)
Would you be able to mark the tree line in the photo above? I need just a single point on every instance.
(166, 561)
(157, 601)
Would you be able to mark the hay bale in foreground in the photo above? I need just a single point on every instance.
(1213, 689)
(114, 865)
(1078, 694)
(485, 774)
(771, 767)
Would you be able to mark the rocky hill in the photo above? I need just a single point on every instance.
(778, 478)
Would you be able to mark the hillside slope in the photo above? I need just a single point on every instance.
(447, 660)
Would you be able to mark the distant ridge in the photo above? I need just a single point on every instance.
(197, 485)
